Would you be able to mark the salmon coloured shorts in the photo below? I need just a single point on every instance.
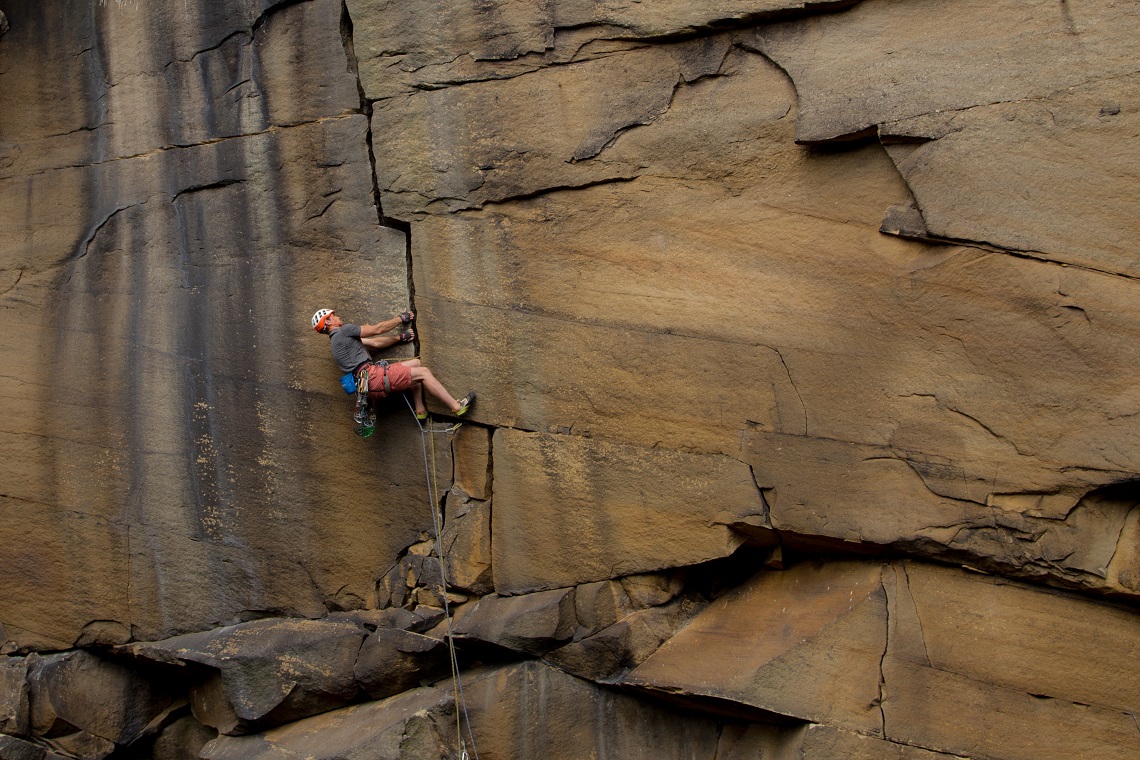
(399, 379)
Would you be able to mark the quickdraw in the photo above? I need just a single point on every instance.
(363, 415)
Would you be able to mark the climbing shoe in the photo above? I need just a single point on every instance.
(465, 404)
(421, 416)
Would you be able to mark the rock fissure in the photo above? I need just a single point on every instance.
(77, 130)
(85, 245)
(917, 616)
(5, 291)
(219, 185)
(723, 23)
(492, 202)
(1042, 98)
(888, 600)
(997, 436)
(247, 34)
(1041, 257)
(792, 382)
(539, 66)
(272, 129)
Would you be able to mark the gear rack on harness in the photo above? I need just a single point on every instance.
(363, 416)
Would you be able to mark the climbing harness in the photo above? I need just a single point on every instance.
(363, 415)
(433, 488)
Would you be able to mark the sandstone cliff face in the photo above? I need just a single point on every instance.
(806, 347)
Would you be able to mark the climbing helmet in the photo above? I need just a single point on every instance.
(320, 317)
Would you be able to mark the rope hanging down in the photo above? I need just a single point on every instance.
(433, 502)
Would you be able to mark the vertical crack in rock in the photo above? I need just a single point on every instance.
(888, 600)
(407, 230)
(1119, 538)
(792, 381)
(917, 617)
(130, 618)
(766, 510)
(346, 32)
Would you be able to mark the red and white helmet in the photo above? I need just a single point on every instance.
(320, 317)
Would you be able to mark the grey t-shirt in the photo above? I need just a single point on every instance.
(347, 349)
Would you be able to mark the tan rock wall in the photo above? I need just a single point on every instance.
(174, 208)
(920, 655)
(725, 425)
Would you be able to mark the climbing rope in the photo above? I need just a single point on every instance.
(432, 477)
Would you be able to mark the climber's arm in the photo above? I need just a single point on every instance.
(378, 329)
(380, 341)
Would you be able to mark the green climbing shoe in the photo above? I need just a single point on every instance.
(467, 402)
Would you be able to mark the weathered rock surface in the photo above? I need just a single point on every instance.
(267, 672)
(12, 748)
(1027, 131)
(950, 386)
(565, 716)
(532, 623)
(168, 211)
(411, 726)
(184, 738)
(467, 542)
(471, 453)
(401, 47)
(916, 654)
(572, 510)
(86, 705)
(650, 235)
(831, 622)
(14, 695)
(392, 660)
(610, 653)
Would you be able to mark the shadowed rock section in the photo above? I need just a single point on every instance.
(158, 256)
(746, 478)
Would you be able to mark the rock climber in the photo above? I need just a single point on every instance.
(350, 344)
